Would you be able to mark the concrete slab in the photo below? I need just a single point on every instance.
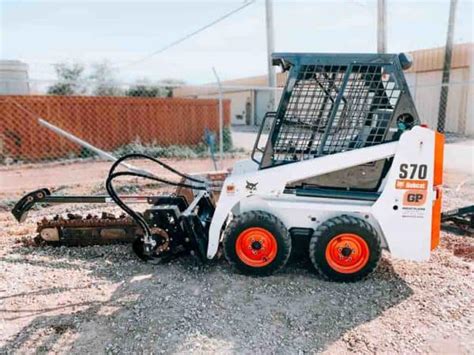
(459, 157)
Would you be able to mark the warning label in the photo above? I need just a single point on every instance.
(413, 212)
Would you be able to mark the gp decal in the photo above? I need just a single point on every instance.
(414, 198)
(411, 184)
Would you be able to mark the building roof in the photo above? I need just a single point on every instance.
(424, 60)
(233, 85)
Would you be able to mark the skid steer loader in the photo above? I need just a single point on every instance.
(346, 164)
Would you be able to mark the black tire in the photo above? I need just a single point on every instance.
(267, 222)
(335, 228)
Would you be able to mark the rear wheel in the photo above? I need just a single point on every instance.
(257, 243)
(345, 249)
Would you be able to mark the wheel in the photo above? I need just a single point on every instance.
(345, 249)
(257, 243)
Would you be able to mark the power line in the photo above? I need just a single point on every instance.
(182, 39)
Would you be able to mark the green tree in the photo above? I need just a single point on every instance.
(141, 90)
(163, 88)
(70, 80)
(170, 84)
(104, 82)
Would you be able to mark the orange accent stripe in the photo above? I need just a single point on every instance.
(437, 182)
(438, 159)
(436, 219)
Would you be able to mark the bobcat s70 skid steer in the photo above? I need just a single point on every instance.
(346, 164)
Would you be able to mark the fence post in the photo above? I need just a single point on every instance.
(448, 53)
(221, 117)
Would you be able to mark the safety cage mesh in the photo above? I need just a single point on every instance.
(333, 108)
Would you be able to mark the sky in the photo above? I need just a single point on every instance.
(42, 33)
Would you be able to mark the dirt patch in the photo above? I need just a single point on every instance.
(461, 246)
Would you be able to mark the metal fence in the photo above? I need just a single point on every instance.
(159, 126)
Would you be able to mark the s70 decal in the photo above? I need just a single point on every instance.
(413, 171)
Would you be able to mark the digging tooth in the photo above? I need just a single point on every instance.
(74, 216)
(106, 215)
(102, 224)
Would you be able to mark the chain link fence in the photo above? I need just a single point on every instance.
(142, 119)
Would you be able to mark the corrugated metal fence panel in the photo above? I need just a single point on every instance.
(425, 88)
(432, 59)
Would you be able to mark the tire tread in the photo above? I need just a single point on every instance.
(257, 217)
(349, 221)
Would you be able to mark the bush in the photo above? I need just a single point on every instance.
(158, 151)
(148, 91)
(227, 139)
(70, 80)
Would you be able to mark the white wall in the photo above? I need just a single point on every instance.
(238, 106)
(13, 78)
(262, 103)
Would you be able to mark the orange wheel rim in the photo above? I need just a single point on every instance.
(256, 247)
(347, 253)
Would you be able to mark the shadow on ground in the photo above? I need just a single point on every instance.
(181, 306)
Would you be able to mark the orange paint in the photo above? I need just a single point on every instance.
(436, 219)
(347, 253)
(438, 159)
(256, 247)
(437, 182)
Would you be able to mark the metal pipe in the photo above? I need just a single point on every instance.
(448, 54)
(270, 50)
(103, 154)
(221, 117)
(381, 26)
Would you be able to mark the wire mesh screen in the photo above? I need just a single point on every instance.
(335, 108)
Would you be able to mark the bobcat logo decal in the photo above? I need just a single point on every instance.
(250, 186)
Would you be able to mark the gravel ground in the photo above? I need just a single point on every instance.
(103, 300)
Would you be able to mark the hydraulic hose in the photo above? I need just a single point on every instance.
(138, 218)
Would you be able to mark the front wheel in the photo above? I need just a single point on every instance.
(345, 249)
(257, 243)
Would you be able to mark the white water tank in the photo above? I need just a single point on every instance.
(14, 78)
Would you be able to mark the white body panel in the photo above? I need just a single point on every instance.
(405, 231)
